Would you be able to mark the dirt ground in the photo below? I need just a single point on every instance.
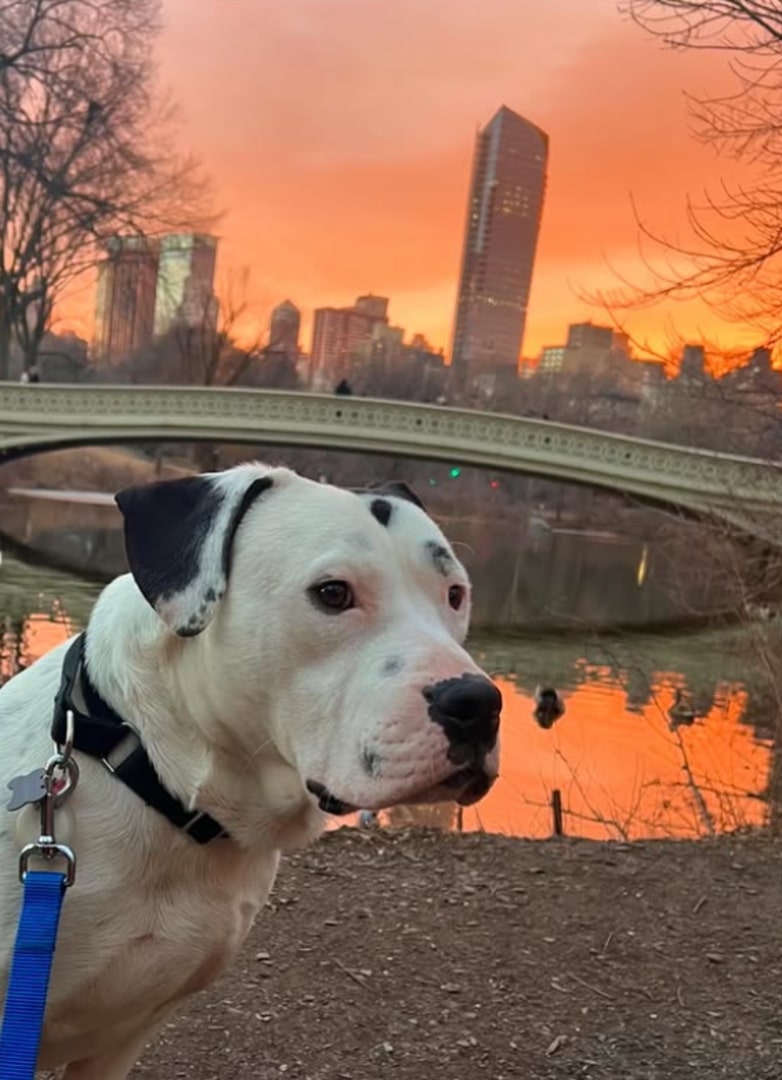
(423, 956)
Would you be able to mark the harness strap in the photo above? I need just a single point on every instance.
(25, 1003)
(101, 733)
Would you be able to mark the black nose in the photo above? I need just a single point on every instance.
(468, 708)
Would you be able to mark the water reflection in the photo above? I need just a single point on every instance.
(626, 775)
(623, 768)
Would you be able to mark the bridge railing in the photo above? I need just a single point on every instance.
(36, 416)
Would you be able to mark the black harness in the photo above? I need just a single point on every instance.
(101, 733)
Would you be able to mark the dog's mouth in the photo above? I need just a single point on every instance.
(465, 786)
(328, 802)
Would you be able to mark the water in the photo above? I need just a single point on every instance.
(630, 568)
(621, 770)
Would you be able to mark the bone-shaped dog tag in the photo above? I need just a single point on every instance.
(27, 790)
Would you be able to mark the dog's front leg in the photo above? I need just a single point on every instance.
(117, 1064)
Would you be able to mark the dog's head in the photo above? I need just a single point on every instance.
(331, 623)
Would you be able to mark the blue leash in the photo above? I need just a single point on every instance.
(36, 937)
(39, 920)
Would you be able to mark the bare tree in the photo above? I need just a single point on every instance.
(733, 259)
(210, 350)
(214, 342)
(86, 150)
(207, 349)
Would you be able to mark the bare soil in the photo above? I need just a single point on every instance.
(423, 956)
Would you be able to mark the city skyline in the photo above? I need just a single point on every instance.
(368, 189)
(368, 192)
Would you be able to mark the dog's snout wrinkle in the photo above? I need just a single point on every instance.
(468, 708)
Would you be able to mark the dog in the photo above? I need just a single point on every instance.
(281, 650)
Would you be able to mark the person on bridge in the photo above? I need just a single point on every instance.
(30, 375)
(343, 388)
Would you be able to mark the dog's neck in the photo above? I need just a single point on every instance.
(164, 686)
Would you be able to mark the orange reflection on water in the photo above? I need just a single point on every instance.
(622, 773)
(23, 643)
(42, 633)
(621, 770)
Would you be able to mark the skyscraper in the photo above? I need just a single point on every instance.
(284, 329)
(185, 283)
(503, 221)
(338, 334)
(147, 285)
(125, 310)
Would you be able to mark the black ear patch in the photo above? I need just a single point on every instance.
(165, 524)
(381, 510)
(399, 490)
(179, 537)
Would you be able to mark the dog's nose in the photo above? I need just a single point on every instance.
(468, 708)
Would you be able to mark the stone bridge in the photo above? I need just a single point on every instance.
(742, 491)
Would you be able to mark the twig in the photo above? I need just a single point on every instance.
(351, 974)
(699, 905)
(594, 989)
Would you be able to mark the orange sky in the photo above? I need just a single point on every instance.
(340, 132)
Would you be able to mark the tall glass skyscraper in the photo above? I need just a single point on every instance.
(127, 282)
(185, 283)
(503, 222)
(149, 285)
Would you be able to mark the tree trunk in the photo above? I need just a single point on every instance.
(5, 346)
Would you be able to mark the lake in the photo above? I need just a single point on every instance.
(622, 772)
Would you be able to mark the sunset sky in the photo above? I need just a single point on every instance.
(339, 134)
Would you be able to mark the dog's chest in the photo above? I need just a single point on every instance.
(165, 939)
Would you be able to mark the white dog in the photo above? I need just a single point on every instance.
(281, 649)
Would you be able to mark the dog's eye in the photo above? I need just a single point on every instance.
(456, 596)
(333, 596)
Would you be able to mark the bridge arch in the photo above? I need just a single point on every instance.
(36, 418)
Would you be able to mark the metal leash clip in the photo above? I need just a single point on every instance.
(49, 788)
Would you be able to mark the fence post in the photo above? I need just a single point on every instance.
(556, 810)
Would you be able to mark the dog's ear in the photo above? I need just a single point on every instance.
(179, 538)
(397, 488)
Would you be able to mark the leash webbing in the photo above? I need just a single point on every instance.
(25, 1003)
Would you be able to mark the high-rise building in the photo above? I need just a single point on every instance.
(592, 352)
(284, 329)
(185, 283)
(376, 307)
(503, 221)
(589, 336)
(384, 347)
(339, 335)
(125, 310)
(552, 359)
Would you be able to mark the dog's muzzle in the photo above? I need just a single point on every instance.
(467, 708)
